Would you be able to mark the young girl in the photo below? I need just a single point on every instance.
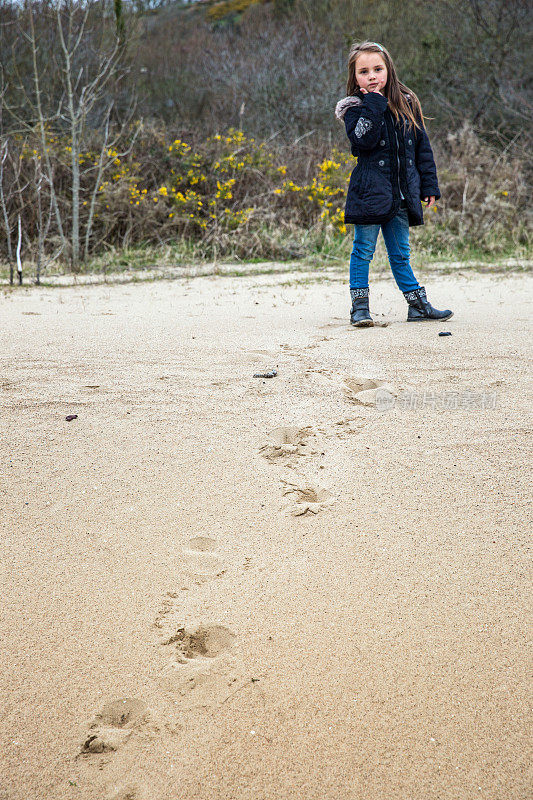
(395, 170)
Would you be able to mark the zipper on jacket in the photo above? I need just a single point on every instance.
(398, 158)
(394, 167)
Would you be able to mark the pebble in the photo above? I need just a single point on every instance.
(271, 374)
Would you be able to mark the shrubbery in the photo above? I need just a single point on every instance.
(232, 196)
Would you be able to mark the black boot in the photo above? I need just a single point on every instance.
(360, 315)
(420, 308)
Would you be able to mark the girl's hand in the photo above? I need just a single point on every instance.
(430, 201)
(376, 91)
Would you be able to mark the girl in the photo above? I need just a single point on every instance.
(395, 170)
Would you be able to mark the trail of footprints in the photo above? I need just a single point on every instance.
(201, 661)
(200, 666)
(290, 446)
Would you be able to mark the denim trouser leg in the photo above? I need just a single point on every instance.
(396, 235)
(364, 244)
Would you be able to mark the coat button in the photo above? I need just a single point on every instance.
(382, 143)
(381, 163)
(410, 160)
(410, 141)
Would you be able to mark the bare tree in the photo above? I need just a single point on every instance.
(44, 219)
(82, 93)
(11, 197)
(87, 53)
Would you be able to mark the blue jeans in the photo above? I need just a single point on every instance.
(396, 235)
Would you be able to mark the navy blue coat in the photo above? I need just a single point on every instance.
(389, 156)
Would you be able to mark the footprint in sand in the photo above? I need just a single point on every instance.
(306, 496)
(203, 544)
(199, 559)
(288, 441)
(204, 669)
(200, 564)
(369, 392)
(114, 724)
(204, 641)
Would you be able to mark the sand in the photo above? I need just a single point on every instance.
(221, 587)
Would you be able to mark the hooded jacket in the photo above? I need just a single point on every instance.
(390, 157)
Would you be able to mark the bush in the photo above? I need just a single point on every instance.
(484, 204)
(235, 197)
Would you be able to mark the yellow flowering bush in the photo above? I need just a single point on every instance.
(323, 197)
(234, 195)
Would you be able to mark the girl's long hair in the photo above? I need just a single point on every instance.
(394, 89)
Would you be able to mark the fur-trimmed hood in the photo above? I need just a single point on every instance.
(348, 102)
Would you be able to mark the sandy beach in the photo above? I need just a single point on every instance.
(314, 586)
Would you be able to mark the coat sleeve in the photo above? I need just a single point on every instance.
(363, 123)
(425, 164)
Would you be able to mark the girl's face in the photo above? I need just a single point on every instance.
(370, 72)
